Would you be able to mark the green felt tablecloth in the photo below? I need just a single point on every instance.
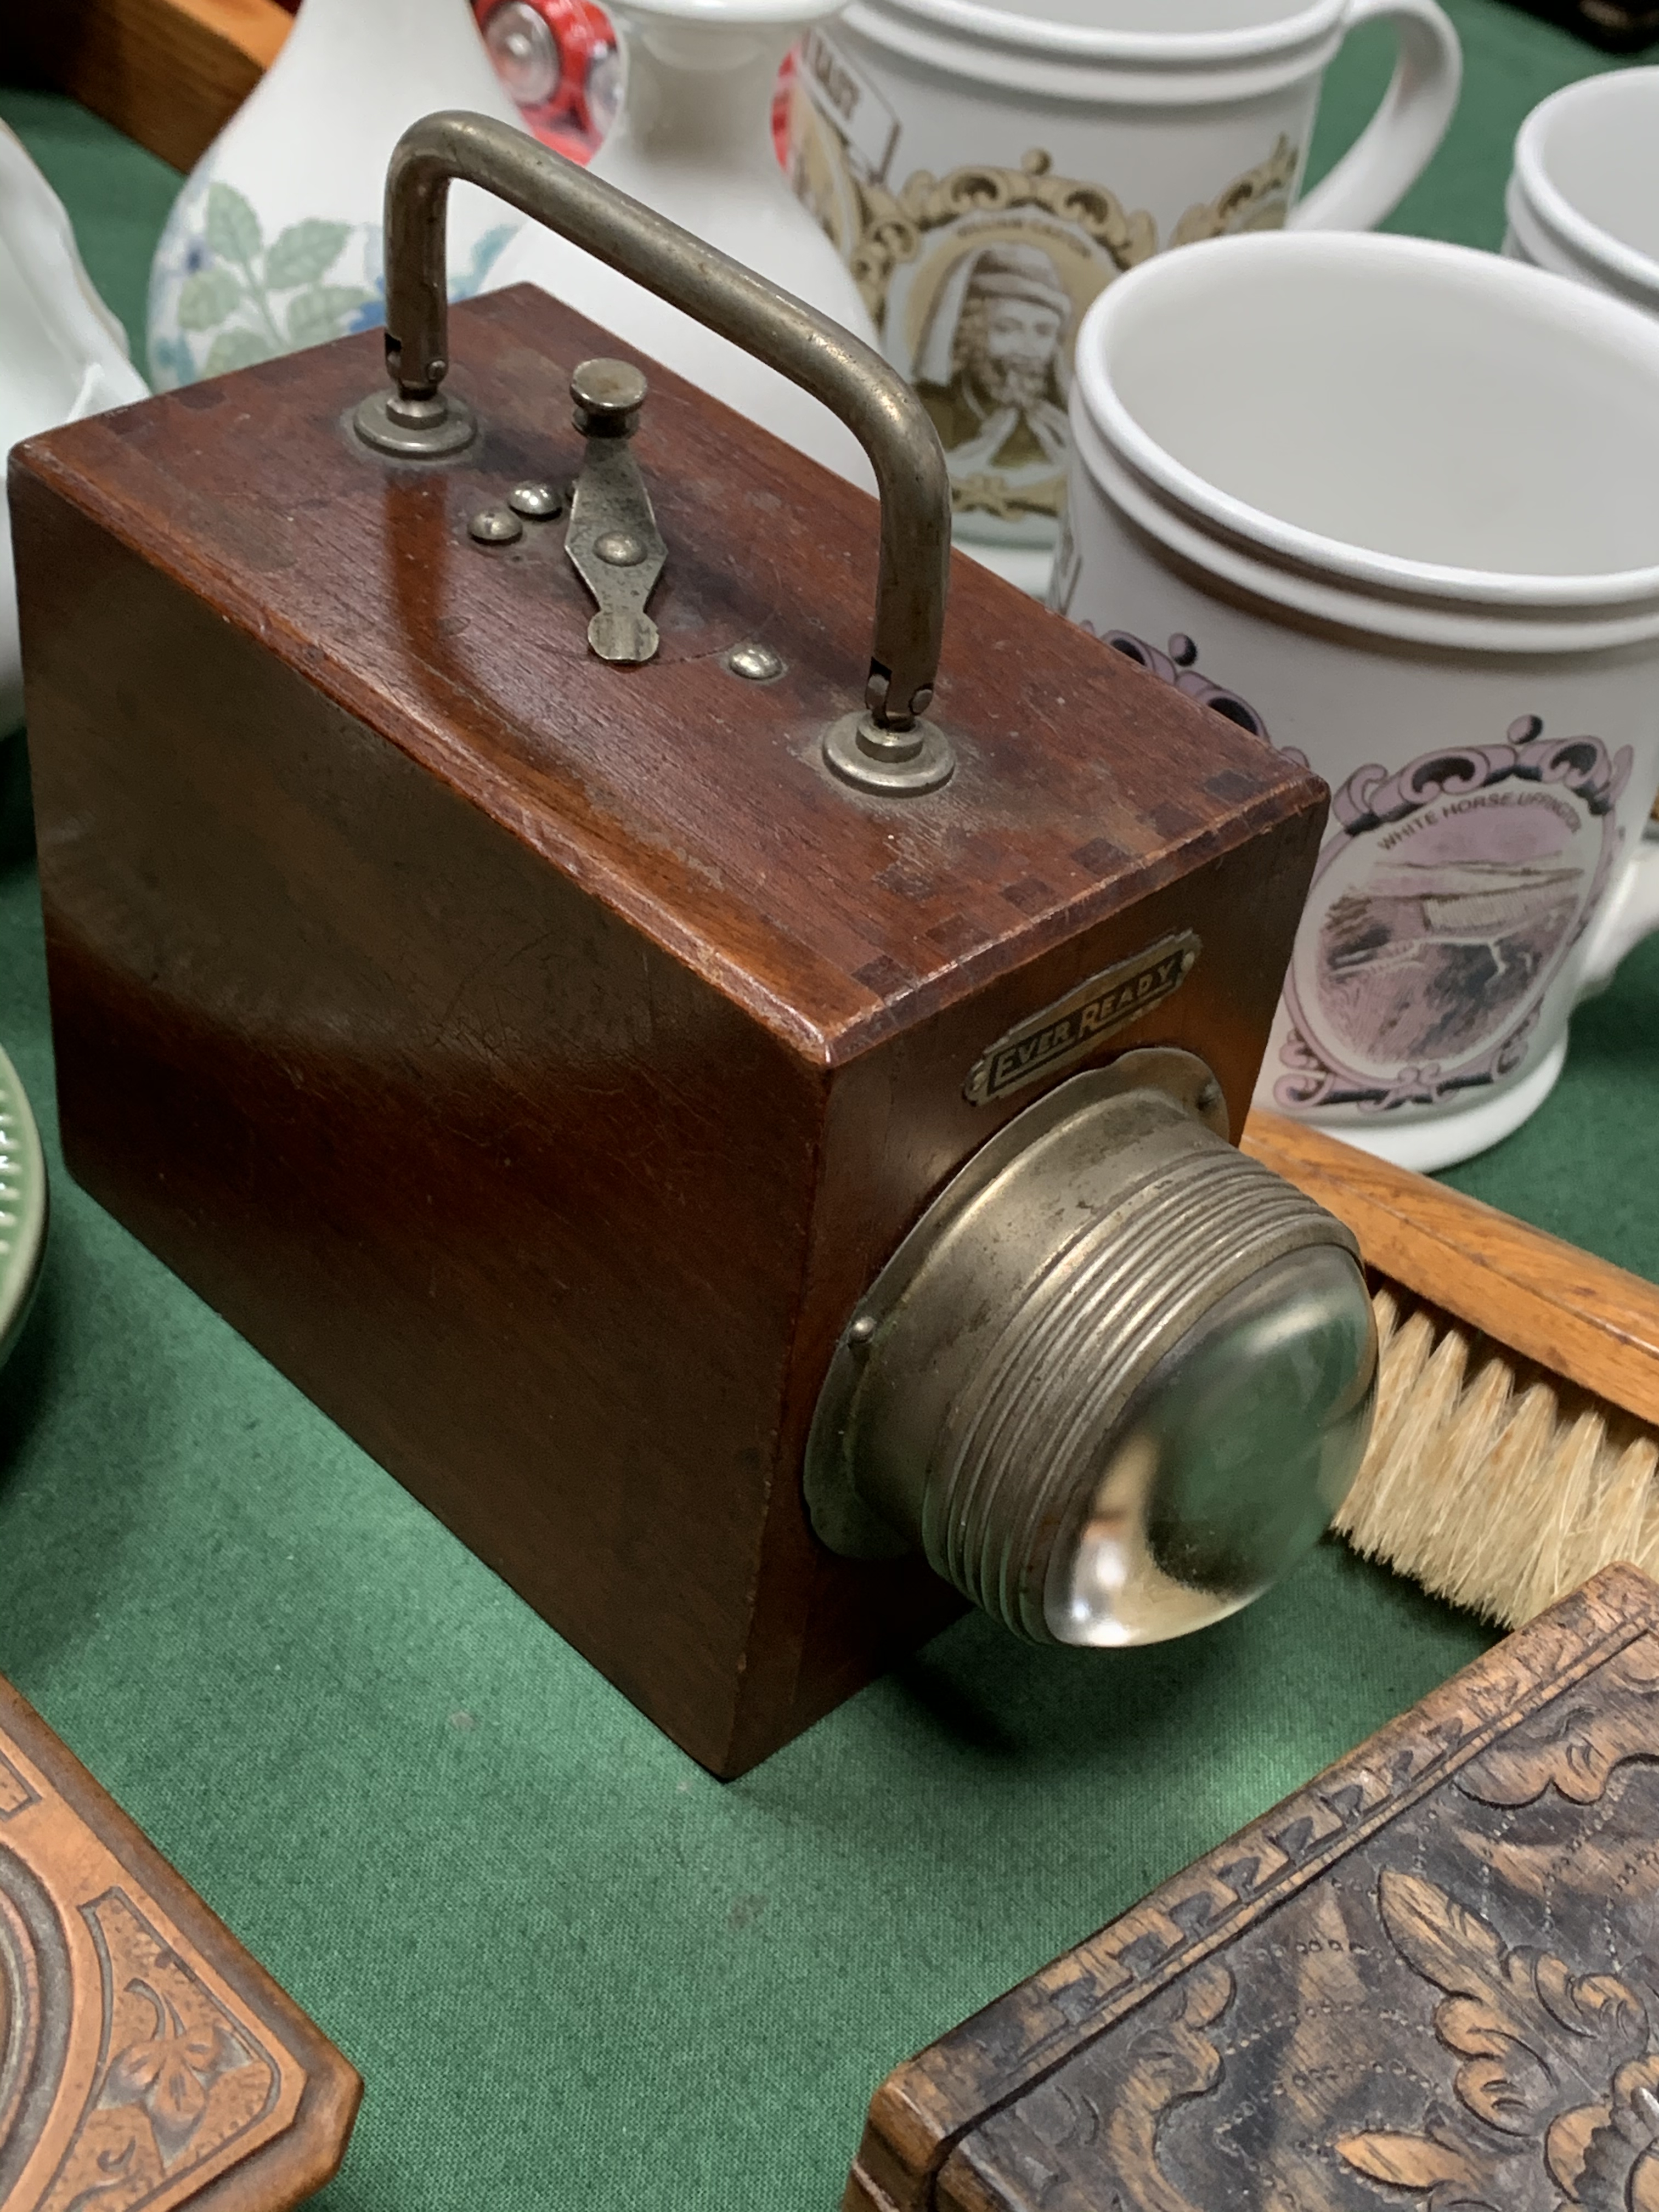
(573, 1970)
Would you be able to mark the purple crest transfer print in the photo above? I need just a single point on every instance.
(1444, 904)
(1176, 667)
(1442, 910)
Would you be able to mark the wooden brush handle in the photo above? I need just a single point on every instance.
(1572, 1313)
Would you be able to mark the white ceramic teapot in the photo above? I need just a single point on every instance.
(63, 355)
(693, 139)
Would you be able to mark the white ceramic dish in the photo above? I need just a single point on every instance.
(22, 1207)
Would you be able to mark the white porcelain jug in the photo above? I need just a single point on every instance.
(63, 355)
(693, 139)
(275, 241)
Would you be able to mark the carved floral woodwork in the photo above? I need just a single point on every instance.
(146, 2062)
(1429, 1980)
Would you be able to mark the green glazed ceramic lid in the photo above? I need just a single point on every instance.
(22, 1206)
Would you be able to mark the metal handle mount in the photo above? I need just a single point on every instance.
(417, 420)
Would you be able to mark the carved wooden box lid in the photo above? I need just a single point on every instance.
(146, 2062)
(1429, 1980)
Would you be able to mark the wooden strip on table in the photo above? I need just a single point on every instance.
(168, 73)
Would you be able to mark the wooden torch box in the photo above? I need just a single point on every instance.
(536, 1058)
(147, 2063)
(1430, 1979)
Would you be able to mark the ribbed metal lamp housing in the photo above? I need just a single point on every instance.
(1114, 1381)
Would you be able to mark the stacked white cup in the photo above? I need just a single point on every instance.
(1394, 505)
(1583, 195)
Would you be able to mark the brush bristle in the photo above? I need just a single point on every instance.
(1488, 1480)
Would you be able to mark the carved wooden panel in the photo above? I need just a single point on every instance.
(1431, 1979)
(146, 2062)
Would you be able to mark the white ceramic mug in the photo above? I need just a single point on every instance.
(1583, 195)
(1394, 506)
(987, 169)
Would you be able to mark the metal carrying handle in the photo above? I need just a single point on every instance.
(850, 377)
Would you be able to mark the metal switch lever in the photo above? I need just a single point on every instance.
(612, 538)
(417, 418)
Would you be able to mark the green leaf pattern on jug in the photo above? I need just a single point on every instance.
(207, 299)
(320, 313)
(303, 252)
(241, 300)
(233, 229)
(234, 349)
(235, 298)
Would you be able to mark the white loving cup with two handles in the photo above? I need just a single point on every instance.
(988, 166)
(1583, 195)
(1394, 506)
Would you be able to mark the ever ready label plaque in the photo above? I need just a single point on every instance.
(1072, 1026)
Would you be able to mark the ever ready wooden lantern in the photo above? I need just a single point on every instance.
(736, 1121)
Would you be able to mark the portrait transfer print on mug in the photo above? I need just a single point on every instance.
(1446, 900)
(977, 280)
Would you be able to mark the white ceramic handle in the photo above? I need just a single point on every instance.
(1399, 141)
(1630, 914)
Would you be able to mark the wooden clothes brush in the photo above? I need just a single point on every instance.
(1517, 1424)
